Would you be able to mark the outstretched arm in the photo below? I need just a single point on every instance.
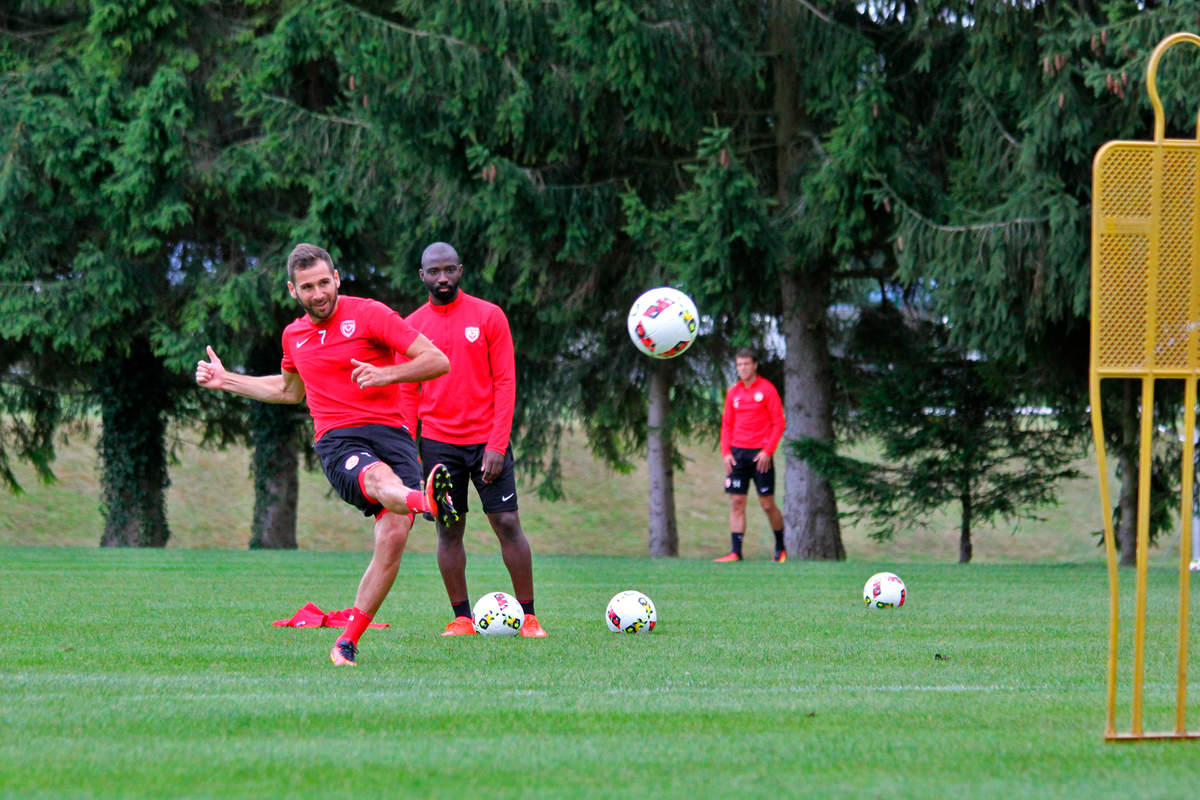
(286, 387)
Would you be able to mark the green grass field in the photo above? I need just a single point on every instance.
(158, 674)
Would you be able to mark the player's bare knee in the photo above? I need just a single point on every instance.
(380, 481)
(507, 525)
(391, 535)
(453, 534)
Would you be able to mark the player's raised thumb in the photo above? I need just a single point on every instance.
(212, 354)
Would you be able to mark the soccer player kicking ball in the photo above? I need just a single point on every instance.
(466, 419)
(343, 354)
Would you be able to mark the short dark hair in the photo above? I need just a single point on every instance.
(304, 256)
(746, 352)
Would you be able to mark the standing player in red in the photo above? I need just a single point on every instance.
(751, 428)
(466, 418)
(344, 355)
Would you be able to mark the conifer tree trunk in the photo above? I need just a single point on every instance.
(275, 468)
(664, 537)
(1127, 458)
(132, 449)
(964, 533)
(810, 519)
(810, 507)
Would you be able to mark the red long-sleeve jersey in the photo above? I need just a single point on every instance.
(753, 417)
(474, 402)
(320, 353)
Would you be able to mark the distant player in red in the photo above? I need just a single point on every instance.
(465, 422)
(343, 355)
(751, 428)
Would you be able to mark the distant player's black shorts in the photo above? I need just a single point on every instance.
(465, 460)
(738, 479)
(346, 452)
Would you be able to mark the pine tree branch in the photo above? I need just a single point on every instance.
(283, 101)
(451, 41)
(1008, 137)
(815, 12)
(32, 34)
(937, 226)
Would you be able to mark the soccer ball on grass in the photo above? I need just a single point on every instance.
(663, 322)
(630, 612)
(498, 614)
(884, 590)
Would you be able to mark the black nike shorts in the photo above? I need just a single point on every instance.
(466, 461)
(346, 452)
(738, 479)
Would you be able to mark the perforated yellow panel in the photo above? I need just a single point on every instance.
(1146, 293)
(1146, 324)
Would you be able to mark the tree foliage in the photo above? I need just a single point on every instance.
(118, 204)
(774, 160)
(949, 430)
(1000, 240)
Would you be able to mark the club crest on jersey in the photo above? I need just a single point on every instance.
(348, 328)
(472, 333)
(758, 397)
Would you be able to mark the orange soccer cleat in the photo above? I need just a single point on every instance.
(728, 558)
(532, 628)
(780, 557)
(437, 496)
(344, 653)
(461, 626)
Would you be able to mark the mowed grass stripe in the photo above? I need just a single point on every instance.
(158, 674)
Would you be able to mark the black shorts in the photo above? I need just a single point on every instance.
(466, 460)
(738, 479)
(346, 452)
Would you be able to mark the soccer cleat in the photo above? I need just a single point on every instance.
(344, 653)
(780, 557)
(437, 495)
(461, 626)
(532, 628)
(728, 558)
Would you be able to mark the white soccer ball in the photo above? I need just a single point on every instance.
(884, 590)
(630, 612)
(663, 322)
(498, 614)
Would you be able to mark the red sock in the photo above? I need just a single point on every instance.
(416, 501)
(359, 620)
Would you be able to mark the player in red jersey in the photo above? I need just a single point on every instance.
(466, 419)
(342, 356)
(751, 428)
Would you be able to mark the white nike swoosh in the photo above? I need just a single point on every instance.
(506, 499)
(300, 343)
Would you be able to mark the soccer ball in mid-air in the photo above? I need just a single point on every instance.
(663, 322)
(498, 614)
(630, 612)
(884, 590)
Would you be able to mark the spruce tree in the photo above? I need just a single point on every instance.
(1000, 239)
(122, 198)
